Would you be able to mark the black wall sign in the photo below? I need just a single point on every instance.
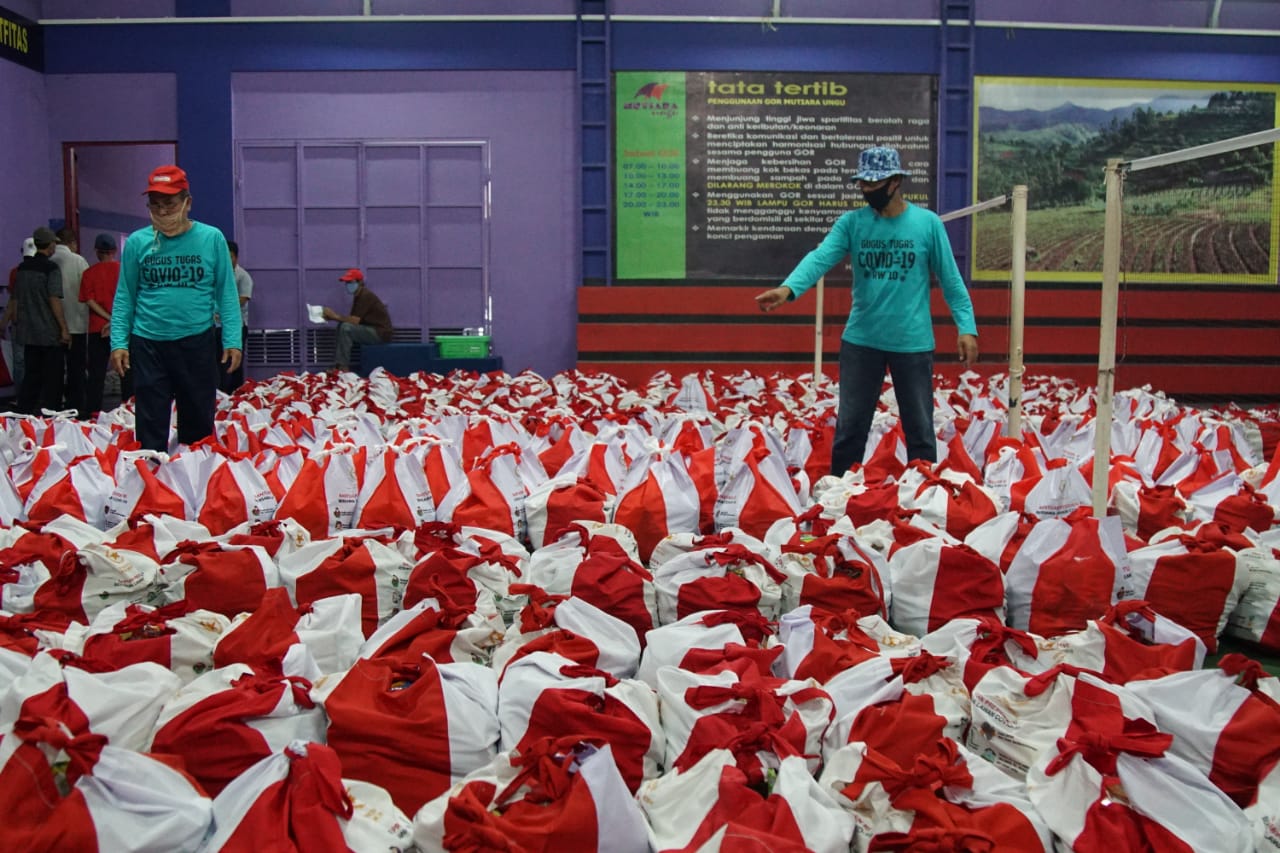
(21, 41)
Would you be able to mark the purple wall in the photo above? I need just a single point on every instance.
(106, 108)
(24, 139)
(526, 117)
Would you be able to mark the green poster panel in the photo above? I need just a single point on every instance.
(649, 160)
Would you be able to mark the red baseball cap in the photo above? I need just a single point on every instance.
(352, 274)
(169, 180)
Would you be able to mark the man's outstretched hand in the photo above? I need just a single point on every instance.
(773, 297)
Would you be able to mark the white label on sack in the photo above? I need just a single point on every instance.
(119, 504)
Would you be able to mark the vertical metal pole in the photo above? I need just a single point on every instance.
(817, 338)
(1017, 308)
(1107, 341)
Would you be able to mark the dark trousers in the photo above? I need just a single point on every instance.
(861, 378)
(168, 372)
(229, 382)
(99, 356)
(77, 377)
(41, 386)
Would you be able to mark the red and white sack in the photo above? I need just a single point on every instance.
(322, 498)
(330, 629)
(821, 645)
(1192, 580)
(710, 630)
(235, 493)
(1224, 722)
(934, 582)
(1017, 718)
(603, 463)
(560, 502)
(757, 492)
(548, 695)
(226, 579)
(836, 573)
(139, 492)
(945, 794)
(395, 492)
(23, 635)
(1257, 615)
(1068, 571)
(227, 720)
(1231, 501)
(606, 574)
(1009, 460)
(953, 502)
(1000, 538)
(760, 720)
(979, 645)
(716, 578)
(79, 489)
(378, 573)
(66, 790)
(599, 640)
(1056, 492)
(1131, 641)
(274, 537)
(874, 706)
(1109, 782)
(449, 633)
(679, 544)
(712, 806)
(1146, 510)
(413, 727)
(563, 794)
(656, 498)
(493, 494)
(175, 636)
(96, 576)
(121, 705)
(297, 800)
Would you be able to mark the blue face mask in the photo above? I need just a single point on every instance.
(352, 287)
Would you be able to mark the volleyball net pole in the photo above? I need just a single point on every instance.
(1017, 309)
(818, 319)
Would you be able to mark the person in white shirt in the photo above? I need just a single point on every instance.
(76, 313)
(244, 289)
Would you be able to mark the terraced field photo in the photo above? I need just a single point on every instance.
(1210, 219)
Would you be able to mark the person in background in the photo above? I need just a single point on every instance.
(38, 293)
(895, 247)
(244, 289)
(369, 322)
(72, 267)
(175, 274)
(9, 320)
(98, 293)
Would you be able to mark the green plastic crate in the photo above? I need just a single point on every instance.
(463, 346)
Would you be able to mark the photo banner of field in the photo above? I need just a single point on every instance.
(1211, 220)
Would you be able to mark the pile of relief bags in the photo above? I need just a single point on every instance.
(505, 613)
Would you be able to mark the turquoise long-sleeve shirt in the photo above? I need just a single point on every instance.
(892, 259)
(170, 287)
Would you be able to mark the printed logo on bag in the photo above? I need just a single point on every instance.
(994, 711)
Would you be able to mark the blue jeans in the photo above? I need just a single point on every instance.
(861, 378)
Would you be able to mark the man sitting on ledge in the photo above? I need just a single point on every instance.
(367, 323)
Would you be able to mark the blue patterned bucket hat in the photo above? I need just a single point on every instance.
(876, 164)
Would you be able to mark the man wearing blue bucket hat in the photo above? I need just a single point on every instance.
(894, 247)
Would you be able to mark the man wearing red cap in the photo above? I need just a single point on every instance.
(174, 276)
(368, 322)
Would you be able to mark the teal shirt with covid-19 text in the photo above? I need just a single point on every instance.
(170, 287)
(892, 258)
